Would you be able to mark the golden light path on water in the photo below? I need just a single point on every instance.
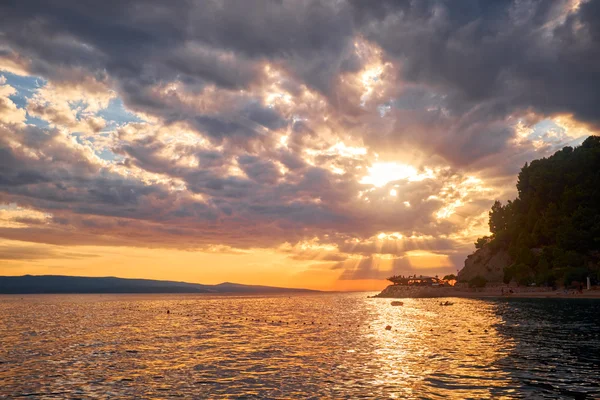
(301, 346)
(427, 337)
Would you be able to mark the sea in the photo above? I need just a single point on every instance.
(304, 346)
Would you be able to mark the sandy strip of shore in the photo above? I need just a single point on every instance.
(529, 295)
(396, 292)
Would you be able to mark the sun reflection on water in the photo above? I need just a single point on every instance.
(322, 346)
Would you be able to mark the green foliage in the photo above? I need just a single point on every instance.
(519, 272)
(552, 229)
(477, 282)
(574, 276)
(482, 242)
(499, 216)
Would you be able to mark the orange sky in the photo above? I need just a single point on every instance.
(261, 267)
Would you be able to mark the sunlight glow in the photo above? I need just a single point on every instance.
(459, 192)
(369, 79)
(390, 236)
(381, 173)
(339, 149)
(283, 140)
(343, 150)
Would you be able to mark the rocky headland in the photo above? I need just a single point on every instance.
(547, 238)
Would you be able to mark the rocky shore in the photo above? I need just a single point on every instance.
(403, 292)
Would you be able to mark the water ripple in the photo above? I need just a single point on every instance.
(312, 346)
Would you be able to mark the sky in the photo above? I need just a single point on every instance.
(319, 144)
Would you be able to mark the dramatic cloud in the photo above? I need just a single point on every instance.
(368, 136)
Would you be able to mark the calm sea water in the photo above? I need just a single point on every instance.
(311, 346)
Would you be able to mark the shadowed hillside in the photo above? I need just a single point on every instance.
(550, 234)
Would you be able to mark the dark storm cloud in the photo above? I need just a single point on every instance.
(505, 54)
(264, 116)
(218, 128)
(142, 43)
(259, 170)
(517, 54)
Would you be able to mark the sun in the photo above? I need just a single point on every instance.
(381, 173)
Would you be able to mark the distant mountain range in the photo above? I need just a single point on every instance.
(30, 284)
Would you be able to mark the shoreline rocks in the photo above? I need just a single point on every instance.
(406, 292)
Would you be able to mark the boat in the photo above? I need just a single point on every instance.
(397, 303)
(446, 304)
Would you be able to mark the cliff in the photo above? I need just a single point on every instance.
(486, 263)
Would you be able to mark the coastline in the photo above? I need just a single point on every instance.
(399, 292)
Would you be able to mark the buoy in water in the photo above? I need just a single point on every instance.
(388, 328)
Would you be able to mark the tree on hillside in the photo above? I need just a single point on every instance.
(498, 217)
(552, 229)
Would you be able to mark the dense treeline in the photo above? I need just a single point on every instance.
(552, 229)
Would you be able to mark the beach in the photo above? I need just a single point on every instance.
(398, 292)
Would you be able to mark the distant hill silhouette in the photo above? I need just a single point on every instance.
(31, 284)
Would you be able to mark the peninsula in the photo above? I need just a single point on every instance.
(546, 242)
